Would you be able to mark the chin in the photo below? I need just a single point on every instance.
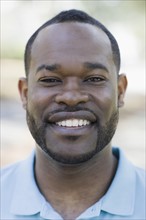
(69, 159)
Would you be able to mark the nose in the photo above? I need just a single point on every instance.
(71, 96)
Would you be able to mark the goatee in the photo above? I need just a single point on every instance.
(105, 135)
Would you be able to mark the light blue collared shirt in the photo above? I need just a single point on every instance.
(21, 198)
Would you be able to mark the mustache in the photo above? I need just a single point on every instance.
(70, 109)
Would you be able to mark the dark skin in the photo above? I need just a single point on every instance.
(72, 65)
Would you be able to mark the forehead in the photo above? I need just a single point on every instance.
(71, 39)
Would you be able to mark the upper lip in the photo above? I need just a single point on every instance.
(82, 114)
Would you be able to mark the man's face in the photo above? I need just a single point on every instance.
(72, 92)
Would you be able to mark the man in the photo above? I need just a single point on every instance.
(72, 94)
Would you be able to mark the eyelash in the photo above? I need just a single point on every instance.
(55, 81)
(50, 80)
(95, 79)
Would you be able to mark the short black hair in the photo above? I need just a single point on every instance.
(73, 16)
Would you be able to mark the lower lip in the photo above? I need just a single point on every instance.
(72, 131)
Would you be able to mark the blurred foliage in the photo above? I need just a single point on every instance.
(19, 19)
(131, 13)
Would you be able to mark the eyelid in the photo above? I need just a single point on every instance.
(49, 81)
(96, 77)
(49, 77)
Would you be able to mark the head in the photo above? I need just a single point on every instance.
(73, 90)
(73, 16)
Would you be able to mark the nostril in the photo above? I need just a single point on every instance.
(71, 98)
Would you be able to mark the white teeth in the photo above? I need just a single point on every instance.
(59, 123)
(73, 123)
(80, 122)
(63, 123)
(69, 123)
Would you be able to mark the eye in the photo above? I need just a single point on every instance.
(95, 79)
(50, 81)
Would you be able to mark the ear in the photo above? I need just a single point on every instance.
(23, 90)
(122, 86)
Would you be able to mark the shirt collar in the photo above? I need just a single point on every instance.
(27, 199)
(120, 197)
(118, 200)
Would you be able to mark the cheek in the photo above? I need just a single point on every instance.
(108, 98)
(36, 101)
(111, 102)
(40, 101)
(106, 101)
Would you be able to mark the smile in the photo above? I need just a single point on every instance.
(72, 123)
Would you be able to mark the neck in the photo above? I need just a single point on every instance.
(72, 185)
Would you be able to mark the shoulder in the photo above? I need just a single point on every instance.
(140, 175)
(15, 180)
(9, 171)
(140, 182)
(9, 176)
(8, 183)
(18, 168)
(129, 185)
(140, 199)
(136, 174)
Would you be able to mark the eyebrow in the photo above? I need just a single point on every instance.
(92, 66)
(87, 65)
(53, 67)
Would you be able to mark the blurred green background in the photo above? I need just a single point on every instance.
(125, 19)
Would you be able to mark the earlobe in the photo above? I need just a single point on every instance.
(23, 90)
(122, 86)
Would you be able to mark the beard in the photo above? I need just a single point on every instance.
(104, 133)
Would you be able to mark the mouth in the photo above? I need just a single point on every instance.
(79, 123)
(73, 123)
